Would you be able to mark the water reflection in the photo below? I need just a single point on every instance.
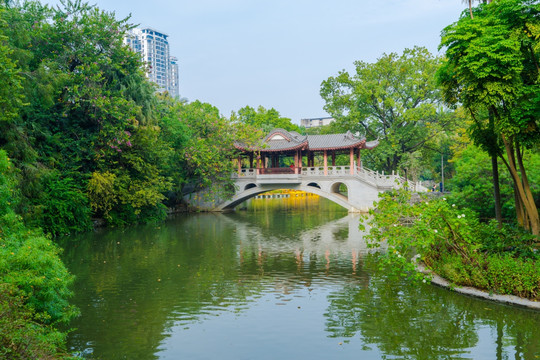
(427, 322)
(290, 283)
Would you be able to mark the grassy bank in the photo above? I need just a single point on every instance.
(453, 243)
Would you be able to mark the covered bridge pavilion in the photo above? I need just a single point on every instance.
(280, 144)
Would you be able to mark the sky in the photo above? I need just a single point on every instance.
(276, 53)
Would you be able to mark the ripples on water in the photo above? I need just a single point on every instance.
(275, 282)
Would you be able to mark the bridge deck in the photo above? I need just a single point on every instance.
(296, 175)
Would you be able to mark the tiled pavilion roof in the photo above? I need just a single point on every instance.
(279, 140)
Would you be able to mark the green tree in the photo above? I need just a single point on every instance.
(175, 133)
(491, 148)
(471, 184)
(492, 65)
(11, 98)
(263, 119)
(94, 137)
(34, 283)
(91, 110)
(210, 151)
(395, 100)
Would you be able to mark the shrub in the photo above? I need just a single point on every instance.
(34, 283)
(22, 336)
(64, 208)
(516, 276)
(455, 244)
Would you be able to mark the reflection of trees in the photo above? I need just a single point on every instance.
(134, 285)
(139, 282)
(428, 323)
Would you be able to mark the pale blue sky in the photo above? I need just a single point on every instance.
(276, 53)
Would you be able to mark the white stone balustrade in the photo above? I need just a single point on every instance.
(374, 178)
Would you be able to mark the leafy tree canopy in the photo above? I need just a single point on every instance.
(492, 67)
(395, 100)
(264, 119)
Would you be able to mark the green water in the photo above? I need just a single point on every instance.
(286, 279)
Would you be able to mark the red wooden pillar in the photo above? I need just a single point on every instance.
(351, 156)
(239, 165)
(333, 158)
(325, 163)
(359, 161)
(251, 161)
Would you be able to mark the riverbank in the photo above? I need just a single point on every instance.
(471, 291)
(479, 258)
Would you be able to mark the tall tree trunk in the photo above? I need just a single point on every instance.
(524, 178)
(470, 9)
(496, 189)
(495, 170)
(519, 207)
(530, 211)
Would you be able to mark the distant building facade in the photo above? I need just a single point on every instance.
(316, 122)
(174, 88)
(153, 47)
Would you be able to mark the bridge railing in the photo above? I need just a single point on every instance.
(245, 173)
(331, 171)
(374, 178)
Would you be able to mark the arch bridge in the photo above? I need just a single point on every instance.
(287, 160)
(355, 189)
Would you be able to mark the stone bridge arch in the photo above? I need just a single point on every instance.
(242, 196)
(363, 187)
(360, 195)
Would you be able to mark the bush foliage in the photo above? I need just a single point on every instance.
(34, 283)
(452, 242)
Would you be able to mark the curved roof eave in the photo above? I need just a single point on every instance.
(371, 144)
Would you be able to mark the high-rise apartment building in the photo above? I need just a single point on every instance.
(154, 49)
(174, 88)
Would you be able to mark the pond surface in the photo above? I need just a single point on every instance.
(285, 279)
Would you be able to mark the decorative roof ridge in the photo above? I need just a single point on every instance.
(287, 135)
(371, 144)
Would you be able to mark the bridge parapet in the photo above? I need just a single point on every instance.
(245, 174)
(378, 180)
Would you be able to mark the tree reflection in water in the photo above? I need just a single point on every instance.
(426, 322)
(153, 291)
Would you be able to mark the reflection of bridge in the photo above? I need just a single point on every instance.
(355, 189)
(315, 241)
